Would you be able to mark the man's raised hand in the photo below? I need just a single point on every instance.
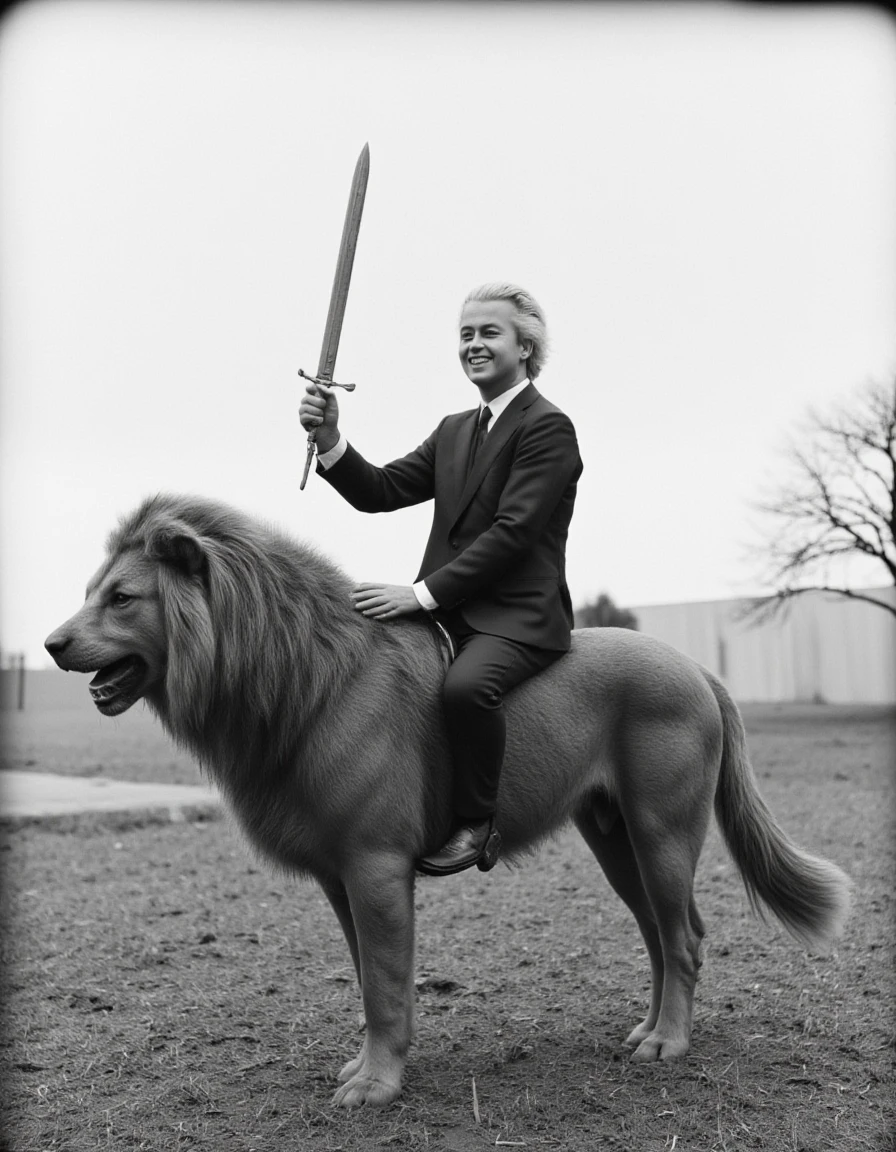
(319, 412)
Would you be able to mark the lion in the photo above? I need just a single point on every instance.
(323, 730)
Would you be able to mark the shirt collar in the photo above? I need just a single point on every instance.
(497, 406)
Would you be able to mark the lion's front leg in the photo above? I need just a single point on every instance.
(335, 892)
(380, 890)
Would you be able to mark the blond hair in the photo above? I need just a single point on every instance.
(530, 321)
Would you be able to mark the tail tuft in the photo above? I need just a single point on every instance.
(809, 895)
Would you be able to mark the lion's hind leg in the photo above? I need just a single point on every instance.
(668, 775)
(667, 871)
(606, 835)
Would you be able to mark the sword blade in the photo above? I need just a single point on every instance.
(344, 264)
(341, 281)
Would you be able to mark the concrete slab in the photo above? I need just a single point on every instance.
(33, 794)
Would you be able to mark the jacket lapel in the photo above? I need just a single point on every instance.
(495, 441)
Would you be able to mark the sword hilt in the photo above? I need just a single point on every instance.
(312, 435)
(309, 456)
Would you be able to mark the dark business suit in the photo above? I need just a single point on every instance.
(495, 561)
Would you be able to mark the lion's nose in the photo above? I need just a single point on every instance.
(56, 643)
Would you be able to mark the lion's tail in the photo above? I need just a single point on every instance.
(809, 895)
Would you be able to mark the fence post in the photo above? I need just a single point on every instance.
(21, 682)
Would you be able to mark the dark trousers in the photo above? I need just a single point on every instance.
(473, 695)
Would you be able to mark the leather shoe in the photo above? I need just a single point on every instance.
(470, 844)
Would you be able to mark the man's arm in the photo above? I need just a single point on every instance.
(331, 456)
(399, 484)
(406, 481)
(361, 484)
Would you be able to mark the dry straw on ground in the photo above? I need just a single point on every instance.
(165, 991)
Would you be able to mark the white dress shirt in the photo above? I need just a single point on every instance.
(496, 407)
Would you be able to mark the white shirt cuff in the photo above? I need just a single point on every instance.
(423, 594)
(328, 459)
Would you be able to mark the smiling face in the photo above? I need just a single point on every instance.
(491, 352)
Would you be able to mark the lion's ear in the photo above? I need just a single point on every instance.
(178, 546)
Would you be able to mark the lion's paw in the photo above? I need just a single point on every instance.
(658, 1047)
(640, 1033)
(353, 1067)
(366, 1089)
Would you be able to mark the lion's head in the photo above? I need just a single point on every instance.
(211, 617)
(119, 633)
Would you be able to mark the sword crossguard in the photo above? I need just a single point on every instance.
(326, 383)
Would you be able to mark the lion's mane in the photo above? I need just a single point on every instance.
(259, 629)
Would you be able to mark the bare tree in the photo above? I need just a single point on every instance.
(839, 503)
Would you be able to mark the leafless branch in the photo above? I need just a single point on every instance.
(765, 608)
(839, 502)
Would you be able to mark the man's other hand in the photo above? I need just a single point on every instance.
(385, 601)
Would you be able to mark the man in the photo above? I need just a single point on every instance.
(503, 478)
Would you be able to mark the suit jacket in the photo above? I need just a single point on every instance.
(497, 546)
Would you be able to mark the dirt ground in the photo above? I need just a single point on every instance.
(165, 991)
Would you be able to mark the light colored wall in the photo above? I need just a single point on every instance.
(825, 648)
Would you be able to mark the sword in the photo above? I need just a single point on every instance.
(339, 293)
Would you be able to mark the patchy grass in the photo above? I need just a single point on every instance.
(81, 742)
(164, 991)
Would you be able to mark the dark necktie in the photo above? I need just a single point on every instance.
(481, 432)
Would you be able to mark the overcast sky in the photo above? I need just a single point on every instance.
(702, 198)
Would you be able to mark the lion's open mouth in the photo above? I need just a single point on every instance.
(115, 687)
